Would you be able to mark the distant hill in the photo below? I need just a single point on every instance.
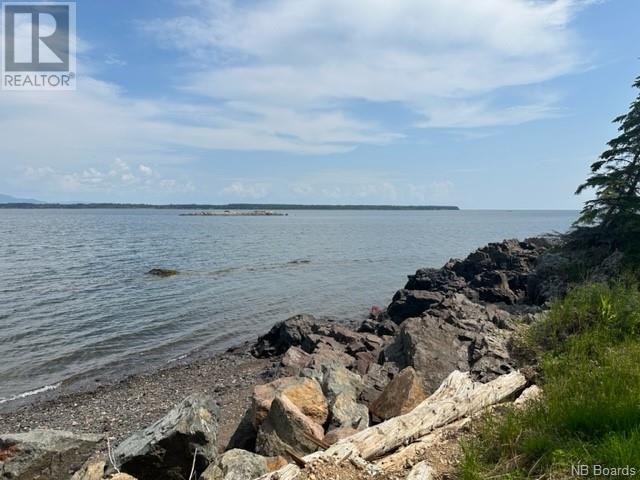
(10, 199)
(16, 203)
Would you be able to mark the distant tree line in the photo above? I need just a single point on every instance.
(231, 206)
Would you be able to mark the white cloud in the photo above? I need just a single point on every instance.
(430, 55)
(146, 171)
(283, 76)
(247, 190)
(118, 178)
(435, 191)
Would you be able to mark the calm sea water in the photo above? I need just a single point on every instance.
(75, 302)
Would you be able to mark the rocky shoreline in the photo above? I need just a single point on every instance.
(319, 383)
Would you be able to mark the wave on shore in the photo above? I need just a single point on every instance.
(30, 393)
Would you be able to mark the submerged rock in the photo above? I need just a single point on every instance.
(44, 454)
(167, 448)
(162, 272)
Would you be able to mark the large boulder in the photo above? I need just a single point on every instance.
(409, 303)
(168, 448)
(289, 333)
(442, 280)
(44, 454)
(376, 379)
(304, 393)
(305, 334)
(346, 412)
(458, 335)
(237, 465)
(404, 393)
(342, 388)
(287, 429)
(294, 360)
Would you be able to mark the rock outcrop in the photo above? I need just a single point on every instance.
(168, 448)
(496, 273)
(44, 454)
(457, 335)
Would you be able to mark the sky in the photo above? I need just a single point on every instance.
(492, 104)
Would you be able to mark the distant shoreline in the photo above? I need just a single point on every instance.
(231, 206)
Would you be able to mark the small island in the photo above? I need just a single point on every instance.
(234, 213)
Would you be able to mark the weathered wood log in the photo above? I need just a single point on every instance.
(457, 397)
(397, 460)
(421, 471)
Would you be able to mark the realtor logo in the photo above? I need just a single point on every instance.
(38, 46)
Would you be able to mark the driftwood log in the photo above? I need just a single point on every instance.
(398, 460)
(457, 397)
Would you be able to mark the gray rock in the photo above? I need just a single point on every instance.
(167, 448)
(44, 454)
(342, 389)
(237, 465)
(347, 412)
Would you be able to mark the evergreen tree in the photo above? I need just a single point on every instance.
(615, 211)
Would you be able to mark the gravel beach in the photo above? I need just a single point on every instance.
(132, 404)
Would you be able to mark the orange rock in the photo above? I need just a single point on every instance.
(276, 463)
(304, 393)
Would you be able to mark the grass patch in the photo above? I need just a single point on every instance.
(589, 350)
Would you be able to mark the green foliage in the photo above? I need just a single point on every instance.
(589, 346)
(609, 310)
(615, 212)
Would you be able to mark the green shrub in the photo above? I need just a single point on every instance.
(590, 412)
(612, 310)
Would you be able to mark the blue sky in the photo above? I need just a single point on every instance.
(488, 104)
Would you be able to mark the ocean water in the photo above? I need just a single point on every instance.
(76, 303)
